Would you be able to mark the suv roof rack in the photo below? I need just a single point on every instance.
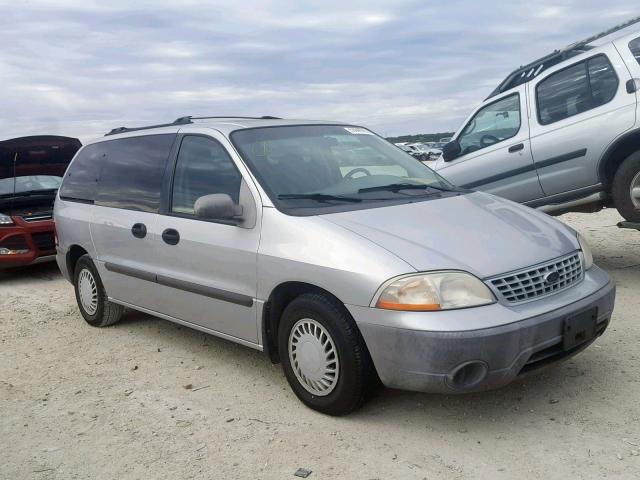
(181, 121)
(530, 71)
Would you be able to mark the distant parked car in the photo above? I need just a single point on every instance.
(31, 170)
(560, 134)
(267, 232)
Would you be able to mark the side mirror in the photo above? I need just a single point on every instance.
(217, 206)
(451, 150)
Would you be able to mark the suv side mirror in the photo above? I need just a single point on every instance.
(217, 206)
(451, 150)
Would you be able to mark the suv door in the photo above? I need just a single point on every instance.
(496, 156)
(124, 217)
(579, 110)
(207, 270)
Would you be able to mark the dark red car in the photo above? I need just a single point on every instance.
(31, 170)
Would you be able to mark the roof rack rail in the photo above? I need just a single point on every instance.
(530, 71)
(264, 117)
(179, 121)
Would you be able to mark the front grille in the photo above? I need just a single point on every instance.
(16, 242)
(44, 241)
(531, 283)
(37, 217)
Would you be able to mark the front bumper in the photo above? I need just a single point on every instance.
(431, 361)
(37, 239)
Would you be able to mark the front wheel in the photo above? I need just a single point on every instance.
(626, 188)
(324, 356)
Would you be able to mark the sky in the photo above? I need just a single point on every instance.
(82, 67)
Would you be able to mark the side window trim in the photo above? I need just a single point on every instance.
(172, 166)
(513, 94)
(585, 63)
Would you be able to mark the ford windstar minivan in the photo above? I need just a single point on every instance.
(330, 249)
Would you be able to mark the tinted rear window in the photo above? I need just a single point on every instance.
(80, 181)
(132, 171)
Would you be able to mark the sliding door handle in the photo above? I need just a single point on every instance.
(516, 148)
(139, 230)
(171, 236)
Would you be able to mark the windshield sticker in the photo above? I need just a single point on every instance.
(358, 131)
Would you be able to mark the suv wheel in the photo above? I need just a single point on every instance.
(92, 299)
(324, 356)
(626, 188)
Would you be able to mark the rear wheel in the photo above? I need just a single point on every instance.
(324, 356)
(92, 299)
(626, 188)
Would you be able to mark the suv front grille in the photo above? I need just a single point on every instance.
(539, 281)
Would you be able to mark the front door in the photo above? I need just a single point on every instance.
(496, 154)
(207, 270)
(578, 111)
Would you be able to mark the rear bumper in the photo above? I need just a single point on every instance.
(27, 243)
(429, 361)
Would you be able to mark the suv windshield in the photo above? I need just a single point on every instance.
(321, 166)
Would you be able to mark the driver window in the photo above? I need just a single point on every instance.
(492, 124)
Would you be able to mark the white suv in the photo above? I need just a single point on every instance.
(559, 134)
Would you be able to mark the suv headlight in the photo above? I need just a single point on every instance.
(434, 291)
(5, 219)
(586, 252)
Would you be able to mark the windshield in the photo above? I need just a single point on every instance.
(317, 166)
(33, 183)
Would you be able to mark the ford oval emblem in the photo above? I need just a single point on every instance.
(551, 278)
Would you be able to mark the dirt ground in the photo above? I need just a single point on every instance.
(80, 402)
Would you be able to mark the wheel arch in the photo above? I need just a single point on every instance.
(615, 154)
(278, 300)
(73, 255)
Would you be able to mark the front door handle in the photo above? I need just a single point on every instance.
(516, 148)
(171, 236)
(139, 230)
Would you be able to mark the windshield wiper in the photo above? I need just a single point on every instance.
(395, 187)
(320, 197)
(29, 193)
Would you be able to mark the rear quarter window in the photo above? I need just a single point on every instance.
(131, 172)
(79, 183)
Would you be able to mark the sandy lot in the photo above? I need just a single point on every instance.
(80, 402)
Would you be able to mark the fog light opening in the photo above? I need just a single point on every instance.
(468, 375)
(8, 251)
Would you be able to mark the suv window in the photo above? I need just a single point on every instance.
(634, 46)
(576, 89)
(203, 168)
(492, 124)
(80, 181)
(131, 172)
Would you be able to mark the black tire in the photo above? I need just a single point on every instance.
(357, 379)
(621, 188)
(106, 313)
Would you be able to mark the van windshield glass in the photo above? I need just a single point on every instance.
(323, 165)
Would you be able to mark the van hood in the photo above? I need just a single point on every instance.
(477, 232)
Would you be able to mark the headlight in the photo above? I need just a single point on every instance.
(434, 291)
(5, 219)
(586, 252)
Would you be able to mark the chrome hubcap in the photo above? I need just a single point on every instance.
(313, 357)
(88, 291)
(634, 190)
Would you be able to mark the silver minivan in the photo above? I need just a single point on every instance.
(328, 248)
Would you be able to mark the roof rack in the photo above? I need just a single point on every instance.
(264, 117)
(528, 72)
(181, 121)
